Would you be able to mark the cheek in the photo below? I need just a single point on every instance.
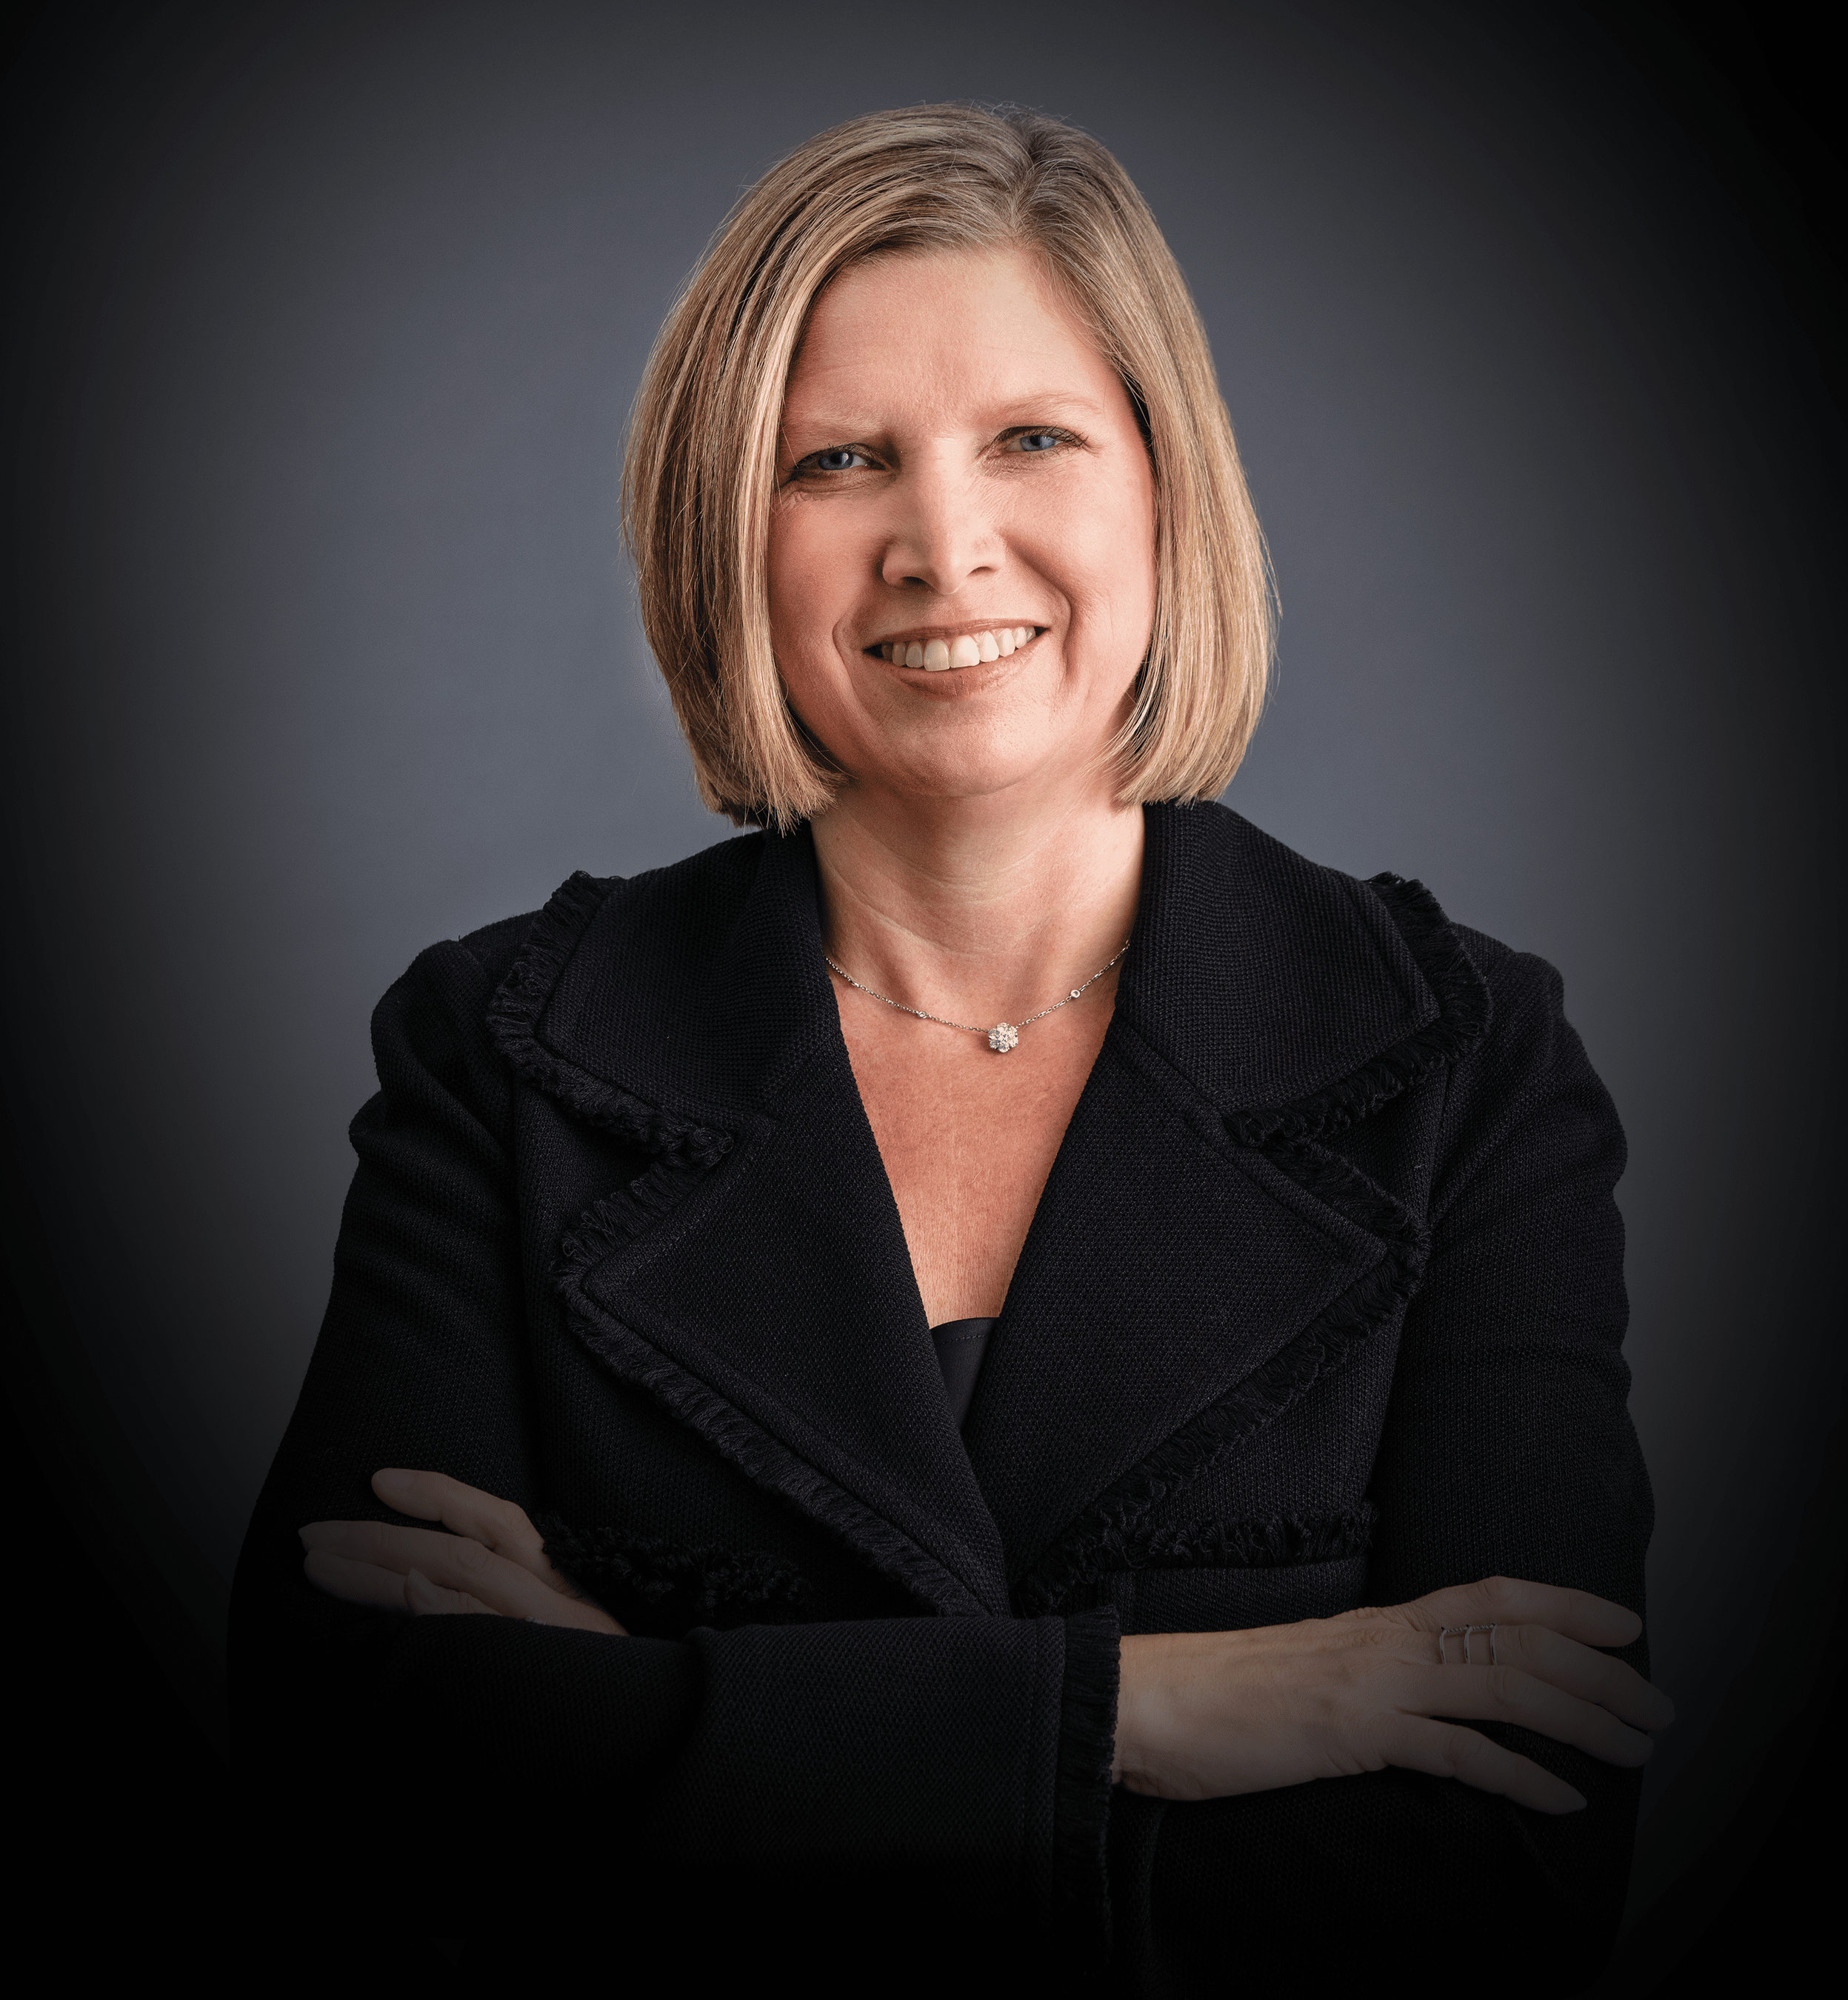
(1104, 546)
(811, 573)
(809, 585)
(786, 573)
(1137, 542)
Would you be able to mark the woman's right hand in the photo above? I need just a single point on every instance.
(1204, 1715)
(491, 1562)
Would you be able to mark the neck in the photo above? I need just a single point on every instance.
(989, 906)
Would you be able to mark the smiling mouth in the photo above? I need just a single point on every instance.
(967, 649)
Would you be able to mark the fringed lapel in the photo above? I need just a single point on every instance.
(1198, 1263)
(774, 1310)
(756, 1281)
(1167, 1267)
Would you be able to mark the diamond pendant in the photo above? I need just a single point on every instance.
(1001, 1037)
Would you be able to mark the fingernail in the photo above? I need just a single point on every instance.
(388, 1481)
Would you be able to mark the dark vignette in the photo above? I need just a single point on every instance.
(125, 1707)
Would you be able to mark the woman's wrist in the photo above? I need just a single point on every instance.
(1126, 1682)
(1137, 1693)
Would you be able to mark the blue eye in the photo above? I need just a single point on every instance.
(1040, 440)
(841, 461)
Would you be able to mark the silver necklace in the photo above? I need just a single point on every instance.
(1005, 1034)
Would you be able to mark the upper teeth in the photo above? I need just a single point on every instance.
(936, 656)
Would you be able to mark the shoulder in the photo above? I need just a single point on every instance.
(606, 990)
(703, 889)
(1526, 1114)
(691, 894)
(1311, 904)
(1304, 997)
(1294, 995)
(1528, 999)
(1523, 1119)
(466, 1007)
(494, 947)
(1503, 990)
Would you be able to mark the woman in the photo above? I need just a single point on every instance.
(1065, 1359)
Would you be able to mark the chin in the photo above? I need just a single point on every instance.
(970, 749)
(975, 777)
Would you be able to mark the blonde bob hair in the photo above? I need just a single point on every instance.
(701, 469)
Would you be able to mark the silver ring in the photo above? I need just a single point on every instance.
(1463, 1632)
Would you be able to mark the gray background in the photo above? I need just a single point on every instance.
(329, 650)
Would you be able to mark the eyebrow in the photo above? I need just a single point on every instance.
(1040, 404)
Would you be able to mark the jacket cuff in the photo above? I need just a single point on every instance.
(1082, 1790)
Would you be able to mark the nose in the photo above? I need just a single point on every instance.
(940, 535)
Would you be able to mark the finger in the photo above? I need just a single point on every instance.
(382, 1589)
(383, 1542)
(1586, 1673)
(1508, 1694)
(410, 1590)
(1506, 1600)
(477, 1579)
(498, 1524)
(429, 1599)
(356, 1582)
(465, 1510)
(454, 1561)
(1414, 1743)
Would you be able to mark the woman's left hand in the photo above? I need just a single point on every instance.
(493, 1560)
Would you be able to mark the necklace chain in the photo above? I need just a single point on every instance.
(1003, 1035)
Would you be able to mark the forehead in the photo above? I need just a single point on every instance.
(946, 328)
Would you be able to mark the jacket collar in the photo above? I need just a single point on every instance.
(767, 1297)
(698, 990)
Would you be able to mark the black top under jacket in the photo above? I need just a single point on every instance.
(1321, 1307)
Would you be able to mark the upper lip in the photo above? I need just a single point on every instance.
(967, 629)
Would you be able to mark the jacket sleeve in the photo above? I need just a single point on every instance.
(1507, 1450)
(972, 1754)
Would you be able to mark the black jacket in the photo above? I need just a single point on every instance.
(1321, 1307)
